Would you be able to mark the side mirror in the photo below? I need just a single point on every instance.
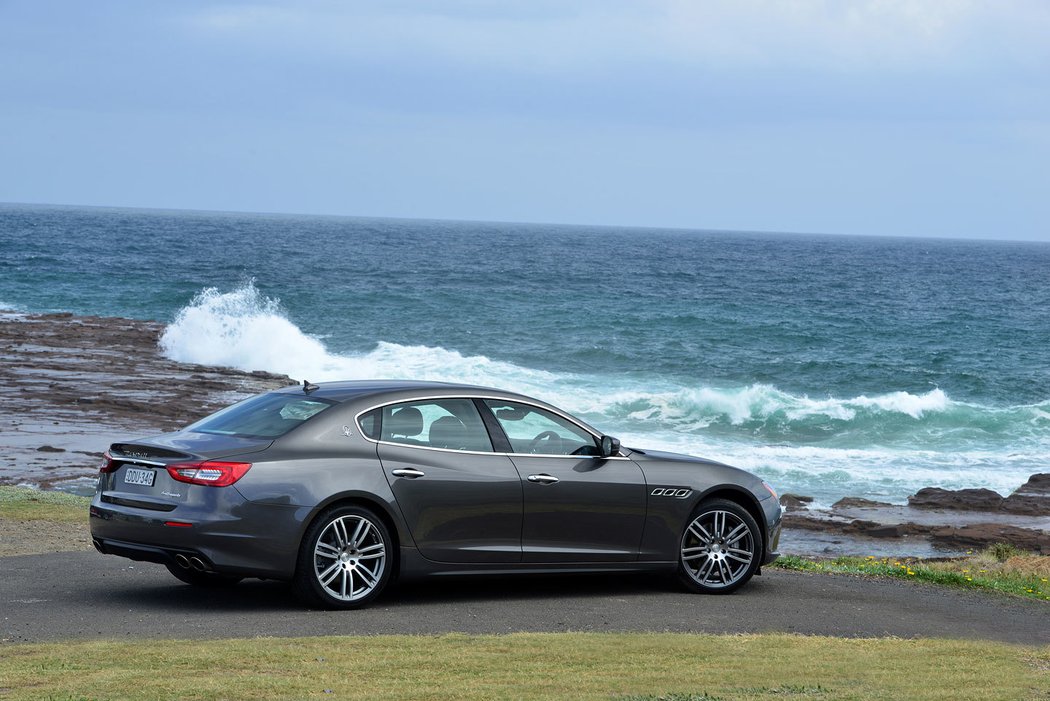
(609, 446)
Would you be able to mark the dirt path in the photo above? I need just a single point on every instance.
(19, 537)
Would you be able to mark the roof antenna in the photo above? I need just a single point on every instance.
(307, 387)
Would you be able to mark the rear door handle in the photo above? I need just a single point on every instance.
(543, 479)
(408, 472)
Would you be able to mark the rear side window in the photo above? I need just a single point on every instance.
(264, 416)
(370, 424)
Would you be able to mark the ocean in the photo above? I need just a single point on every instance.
(830, 365)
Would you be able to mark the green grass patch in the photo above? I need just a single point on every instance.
(38, 505)
(1018, 574)
(624, 667)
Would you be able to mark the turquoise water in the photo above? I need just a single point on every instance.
(830, 365)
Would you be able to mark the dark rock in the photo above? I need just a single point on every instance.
(50, 449)
(958, 500)
(1032, 498)
(794, 501)
(982, 535)
(858, 503)
(1027, 505)
(871, 529)
(806, 522)
(1037, 484)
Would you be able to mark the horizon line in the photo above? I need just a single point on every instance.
(640, 227)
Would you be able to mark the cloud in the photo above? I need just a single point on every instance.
(656, 62)
(744, 34)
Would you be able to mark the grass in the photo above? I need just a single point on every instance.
(37, 505)
(624, 667)
(1000, 568)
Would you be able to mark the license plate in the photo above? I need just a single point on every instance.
(133, 475)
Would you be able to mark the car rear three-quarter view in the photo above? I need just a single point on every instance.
(339, 487)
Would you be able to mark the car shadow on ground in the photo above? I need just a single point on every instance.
(497, 588)
(261, 595)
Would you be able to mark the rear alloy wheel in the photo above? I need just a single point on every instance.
(344, 559)
(721, 548)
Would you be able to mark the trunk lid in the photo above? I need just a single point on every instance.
(137, 476)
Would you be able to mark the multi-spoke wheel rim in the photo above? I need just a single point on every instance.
(717, 549)
(349, 558)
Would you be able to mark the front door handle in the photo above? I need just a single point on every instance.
(543, 479)
(408, 472)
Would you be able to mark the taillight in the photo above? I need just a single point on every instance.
(210, 472)
(108, 464)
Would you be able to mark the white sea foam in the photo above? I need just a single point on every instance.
(782, 436)
(889, 474)
(246, 330)
(759, 401)
(241, 329)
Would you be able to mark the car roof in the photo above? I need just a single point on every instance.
(366, 394)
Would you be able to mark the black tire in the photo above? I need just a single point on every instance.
(720, 549)
(203, 579)
(345, 559)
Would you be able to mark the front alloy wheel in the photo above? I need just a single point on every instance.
(343, 560)
(720, 549)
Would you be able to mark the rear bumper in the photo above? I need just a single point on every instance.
(260, 542)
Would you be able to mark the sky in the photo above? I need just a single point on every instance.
(873, 117)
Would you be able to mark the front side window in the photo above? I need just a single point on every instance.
(264, 416)
(451, 424)
(540, 432)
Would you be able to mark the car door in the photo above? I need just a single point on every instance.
(461, 501)
(578, 507)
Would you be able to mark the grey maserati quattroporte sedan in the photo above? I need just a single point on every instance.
(342, 486)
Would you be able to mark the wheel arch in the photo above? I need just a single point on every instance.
(381, 509)
(745, 500)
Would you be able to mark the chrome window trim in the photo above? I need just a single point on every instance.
(570, 419)
(140, 461)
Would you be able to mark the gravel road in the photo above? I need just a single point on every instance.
(85, 595)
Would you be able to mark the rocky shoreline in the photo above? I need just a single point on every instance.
(935, 521)
(71, 385)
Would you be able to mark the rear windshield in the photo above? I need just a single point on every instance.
(264, 416)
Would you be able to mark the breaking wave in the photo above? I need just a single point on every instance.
(244, 329)
(884, 444)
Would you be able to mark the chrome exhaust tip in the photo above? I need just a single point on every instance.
(182, 561)
(198, 564)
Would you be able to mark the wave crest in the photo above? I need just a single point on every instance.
(241, 329)
(760, 402)
(246, 330)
